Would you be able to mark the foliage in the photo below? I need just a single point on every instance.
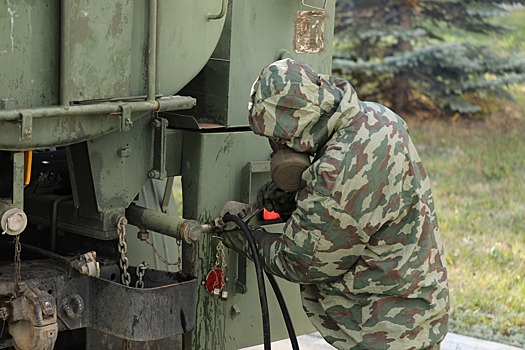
(401, 53)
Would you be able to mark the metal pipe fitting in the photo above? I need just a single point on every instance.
(188, 230)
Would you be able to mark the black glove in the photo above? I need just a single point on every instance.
(274, 199)
(237, 241)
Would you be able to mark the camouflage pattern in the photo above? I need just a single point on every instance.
(364, 240)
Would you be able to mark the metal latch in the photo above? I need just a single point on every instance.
(314, 7)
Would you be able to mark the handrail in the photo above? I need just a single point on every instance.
(221, 14)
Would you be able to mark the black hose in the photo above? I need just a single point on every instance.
(277, 291)
(284, 311)
(260, 277)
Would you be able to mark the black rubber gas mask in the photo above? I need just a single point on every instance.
(287, 166)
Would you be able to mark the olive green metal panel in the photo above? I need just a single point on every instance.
(29, 41)
(108, 45)
(212, 174)
(257, 33)
(100, 39)
(186, 40)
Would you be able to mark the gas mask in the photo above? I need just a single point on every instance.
(287, 167)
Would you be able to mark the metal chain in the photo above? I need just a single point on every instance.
(161, 258)
(140, 271)
(18, 263)
(123, 249)
(220, 261)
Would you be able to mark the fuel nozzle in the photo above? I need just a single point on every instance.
(244, 211)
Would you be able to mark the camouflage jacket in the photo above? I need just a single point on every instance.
(364, 241)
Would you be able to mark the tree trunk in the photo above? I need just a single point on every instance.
(402, 93)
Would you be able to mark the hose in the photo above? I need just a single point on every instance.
(262, 290)
(284, 311)
(260, 277)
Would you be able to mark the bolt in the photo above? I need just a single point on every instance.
(47, 304)
(143, 234)
(154, 174)
(155, 123)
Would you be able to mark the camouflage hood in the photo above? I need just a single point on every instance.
(292, 103)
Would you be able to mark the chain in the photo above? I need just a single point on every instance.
(140, 271)
(18, 262)
(220, 261)
(161, 258)
(123, 249)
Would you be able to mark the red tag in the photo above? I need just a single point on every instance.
(270, 215)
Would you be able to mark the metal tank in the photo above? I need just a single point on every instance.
(110, 114)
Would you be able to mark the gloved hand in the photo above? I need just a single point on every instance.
(237, 241)
(274, 199)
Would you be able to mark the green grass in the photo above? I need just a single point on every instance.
(478, 176)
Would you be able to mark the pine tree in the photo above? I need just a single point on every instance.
(394, 52)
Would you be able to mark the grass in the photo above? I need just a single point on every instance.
(478, 170)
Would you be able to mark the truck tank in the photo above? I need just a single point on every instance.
(123, 131)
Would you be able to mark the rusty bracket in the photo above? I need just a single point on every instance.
(33, 320)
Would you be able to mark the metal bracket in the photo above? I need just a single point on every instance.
(125, 118)
(33, 322)
(26, 126)
(164, 307)
(159, 126)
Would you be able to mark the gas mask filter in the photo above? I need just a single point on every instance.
(287, 167)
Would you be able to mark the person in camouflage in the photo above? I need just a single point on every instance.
(362, 239)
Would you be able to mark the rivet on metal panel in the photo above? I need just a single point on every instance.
(125, 118)
(26, 126)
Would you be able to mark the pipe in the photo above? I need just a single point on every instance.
(154, 220)
(183, 229)
(45, 253)
(152, 49)
(65, 30)
(166, 104)
(54, 217)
